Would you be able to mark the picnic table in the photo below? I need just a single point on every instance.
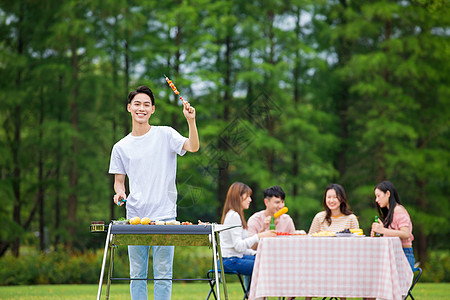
(352, 267)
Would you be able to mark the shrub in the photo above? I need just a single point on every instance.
(437, 267)
(60, 267)
(15, 271)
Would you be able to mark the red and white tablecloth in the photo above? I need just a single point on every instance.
(352, 267)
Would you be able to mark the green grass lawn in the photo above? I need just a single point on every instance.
(182, 291)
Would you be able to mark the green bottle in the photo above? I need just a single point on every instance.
(272, 224)
(376, 233)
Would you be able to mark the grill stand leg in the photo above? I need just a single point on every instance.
(216, 243)
(105, 254)
(216, 274)
(110, 270)
(224, 282)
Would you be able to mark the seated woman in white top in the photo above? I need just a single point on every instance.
(236, 245)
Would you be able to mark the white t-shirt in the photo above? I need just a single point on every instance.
(235, 241)
(150, 162)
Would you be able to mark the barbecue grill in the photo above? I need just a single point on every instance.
(161, 235)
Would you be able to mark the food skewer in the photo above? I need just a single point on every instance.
(280, 212)
(174, 88)
(277, 215)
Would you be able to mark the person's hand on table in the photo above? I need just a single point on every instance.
(268, 233)
(377, 228)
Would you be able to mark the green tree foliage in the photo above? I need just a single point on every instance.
(294, 93)
(395, 103)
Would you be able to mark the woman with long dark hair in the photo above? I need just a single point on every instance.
(235, 244)
(337, 214)
(394, 219)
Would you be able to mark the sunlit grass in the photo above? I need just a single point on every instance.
(181, 291)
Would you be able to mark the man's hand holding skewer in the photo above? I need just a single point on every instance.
(189, 111)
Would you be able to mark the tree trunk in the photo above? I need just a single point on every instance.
(271, 87)
(420, 237)
(41, 178)
(381, 175)
(127, 83)
(16, 182)
(223, 163)
(112, 205)
(296, 75)
(115, 71)
(127, 88)
(16, 144)
(58, 171)
(250, 89)
(342, 100)
(176, 67)
(73, 173)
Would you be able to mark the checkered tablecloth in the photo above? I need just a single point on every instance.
(331, 266)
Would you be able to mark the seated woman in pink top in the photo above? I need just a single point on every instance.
(394, 218)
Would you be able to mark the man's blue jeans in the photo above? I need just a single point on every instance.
(162, 268)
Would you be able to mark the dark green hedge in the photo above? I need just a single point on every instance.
(437, 267)
(59, 267)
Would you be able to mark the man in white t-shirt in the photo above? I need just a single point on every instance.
(148, 156)
(260, 221)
